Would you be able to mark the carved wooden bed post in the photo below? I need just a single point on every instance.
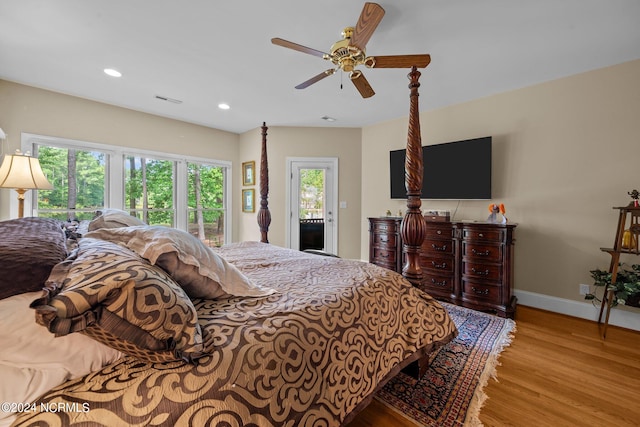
(413, 226)
(264, 216)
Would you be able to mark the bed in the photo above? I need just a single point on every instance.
(138, 325)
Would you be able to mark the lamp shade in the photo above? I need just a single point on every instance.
(22, 172)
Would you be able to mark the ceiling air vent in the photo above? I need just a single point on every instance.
(165, 98)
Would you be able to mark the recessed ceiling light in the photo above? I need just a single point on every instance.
(327, 118)
(113, 73)
(223, 106)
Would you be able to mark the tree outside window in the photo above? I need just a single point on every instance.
(78, 179)
(149, 190)
(206, 203)
(311, 193)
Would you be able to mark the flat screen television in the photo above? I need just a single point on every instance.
(459, 170)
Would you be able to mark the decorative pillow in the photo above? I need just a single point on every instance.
(112, 295)
(201, 272)
(32, 361)
(29, 248)
(113, 218)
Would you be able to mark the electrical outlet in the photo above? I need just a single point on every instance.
(584, 289)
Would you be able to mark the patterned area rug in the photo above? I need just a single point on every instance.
(450, 393)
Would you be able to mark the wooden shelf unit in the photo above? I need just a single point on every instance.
(628, 221)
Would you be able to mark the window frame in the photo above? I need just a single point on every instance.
(114, 176)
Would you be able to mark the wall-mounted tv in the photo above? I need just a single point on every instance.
(452, 171)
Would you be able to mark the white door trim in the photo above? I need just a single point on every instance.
(330, 163)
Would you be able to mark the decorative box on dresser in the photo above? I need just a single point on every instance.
(465, 263)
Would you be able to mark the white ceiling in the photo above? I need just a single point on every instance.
(204, 52)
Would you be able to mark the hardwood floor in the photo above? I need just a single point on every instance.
(557, 372)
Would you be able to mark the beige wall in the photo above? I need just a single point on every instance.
(31, 110)
(283, 142)
(565, 152)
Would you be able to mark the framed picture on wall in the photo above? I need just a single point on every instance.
(248, 173)
(248, 200)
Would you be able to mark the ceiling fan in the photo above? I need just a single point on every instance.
(349, 53)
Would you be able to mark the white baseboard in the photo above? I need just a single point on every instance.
(583, 310)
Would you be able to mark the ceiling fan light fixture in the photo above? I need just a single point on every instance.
(350, 52)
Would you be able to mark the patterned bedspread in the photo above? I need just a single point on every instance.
(306, 356)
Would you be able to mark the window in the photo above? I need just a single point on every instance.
(206, 202)
(78, 178)
(188, 193)
(149, 189)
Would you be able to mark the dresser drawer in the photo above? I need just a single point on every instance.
(482, 270)
(384, 255)
(442, 265)
(387, 239)
(439, 231)
(482, 234)
(441, 283)
(474, 290)
(437, 247)
(477, 251)
(383, 226)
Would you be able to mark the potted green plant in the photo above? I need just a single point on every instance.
(626, 289)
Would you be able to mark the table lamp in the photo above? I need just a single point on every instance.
(22, 172)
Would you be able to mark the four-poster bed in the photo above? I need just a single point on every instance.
(292, 338)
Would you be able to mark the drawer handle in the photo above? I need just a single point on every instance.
(440, 266)
(480, 272)
(439, 248)
(384, 239)
(439, 232)
(480, 291)
(442, 283)
(480, 235)
(483, 253)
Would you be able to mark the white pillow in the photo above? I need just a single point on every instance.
(33, 360)
(199, 270)
(113, 218)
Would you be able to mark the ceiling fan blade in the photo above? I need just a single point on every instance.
(400, 61)
(295, 46)
(370, 17)
(362, 85)
(316, 79)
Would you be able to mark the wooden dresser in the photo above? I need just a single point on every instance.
(465, 263)
(438, 261)
(385, 243)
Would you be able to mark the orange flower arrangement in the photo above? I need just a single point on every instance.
(493, 208)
